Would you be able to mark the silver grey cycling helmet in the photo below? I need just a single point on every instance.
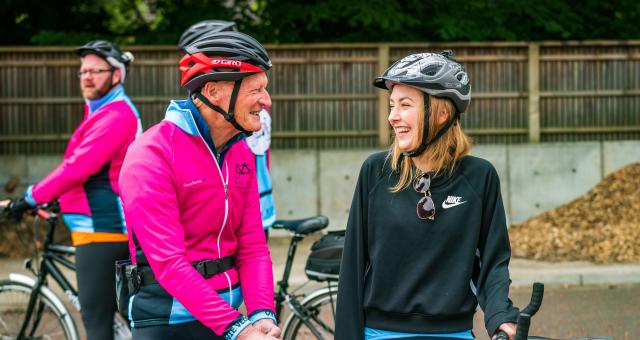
(436, 74)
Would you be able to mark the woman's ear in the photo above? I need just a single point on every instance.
(443, 115)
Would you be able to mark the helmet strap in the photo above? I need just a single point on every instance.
(111, 84)
(425, 134)
(228, 116)
(423, 145)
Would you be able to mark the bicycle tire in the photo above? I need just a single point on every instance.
(54, 321)
(321, 309)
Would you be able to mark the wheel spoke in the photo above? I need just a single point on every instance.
(320, 317)
(47, 322)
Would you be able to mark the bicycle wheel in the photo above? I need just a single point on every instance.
(48, 320)
(320, 309)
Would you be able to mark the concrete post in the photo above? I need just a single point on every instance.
(383, 99)
(534, 93)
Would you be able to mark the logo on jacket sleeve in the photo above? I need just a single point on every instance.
(194, 182)
(452, 201)
(243, 169)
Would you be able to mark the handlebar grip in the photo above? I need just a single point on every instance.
(501, 335)
(522, 332)
(524, 319)
(43, 214)
(536, 299)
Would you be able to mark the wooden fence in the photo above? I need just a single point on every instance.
(323, 97)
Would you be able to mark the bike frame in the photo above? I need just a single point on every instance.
(283, 295)
(51, 254)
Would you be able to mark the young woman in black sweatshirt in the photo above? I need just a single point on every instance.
(427, 237)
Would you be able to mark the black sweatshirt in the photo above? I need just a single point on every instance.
(404, 274)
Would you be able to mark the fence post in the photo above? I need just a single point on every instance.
(534, 93)
(383, 98)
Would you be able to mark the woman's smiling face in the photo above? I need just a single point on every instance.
(406, 113)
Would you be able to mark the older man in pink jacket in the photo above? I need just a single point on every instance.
(192, 206)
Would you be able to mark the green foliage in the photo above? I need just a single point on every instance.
(332, 20)
(74, 22)
(51, 37)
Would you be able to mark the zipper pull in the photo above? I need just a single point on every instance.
(226, 195)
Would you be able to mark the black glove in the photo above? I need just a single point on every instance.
(17, 207)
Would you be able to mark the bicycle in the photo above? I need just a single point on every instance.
(525, 315)
(314, 315)
(29, 309)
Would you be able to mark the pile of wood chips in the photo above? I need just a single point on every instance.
(601, 226)
(18, 240)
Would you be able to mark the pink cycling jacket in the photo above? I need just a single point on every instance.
(184, 203)
(86, 182)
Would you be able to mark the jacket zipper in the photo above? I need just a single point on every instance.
(216, 160)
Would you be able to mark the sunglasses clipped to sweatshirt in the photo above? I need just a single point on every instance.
(426, 208)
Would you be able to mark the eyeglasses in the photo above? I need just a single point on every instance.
(93, 72)
(426, 208)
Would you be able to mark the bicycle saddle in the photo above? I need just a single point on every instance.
(303, 226)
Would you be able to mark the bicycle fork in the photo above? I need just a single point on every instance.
(30, 307)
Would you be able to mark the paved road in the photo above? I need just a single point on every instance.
(568, 311)
(574, 311)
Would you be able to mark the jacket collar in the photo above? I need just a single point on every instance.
(116, 93)
(185, 115)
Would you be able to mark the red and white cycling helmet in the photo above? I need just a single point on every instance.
(228, 56)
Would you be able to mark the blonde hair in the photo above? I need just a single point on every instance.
(443, 154)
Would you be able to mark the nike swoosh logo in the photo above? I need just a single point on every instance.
(446, 205)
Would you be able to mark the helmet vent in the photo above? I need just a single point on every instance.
(462, 77)
(432, 69)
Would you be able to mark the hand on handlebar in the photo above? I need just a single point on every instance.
(16, 208)
(506, 331)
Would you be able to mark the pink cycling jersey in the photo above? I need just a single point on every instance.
(86, 182)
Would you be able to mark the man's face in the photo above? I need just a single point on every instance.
(97, 77)
(252, 98)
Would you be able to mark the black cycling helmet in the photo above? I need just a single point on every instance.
(230, 56)
(203, 27)
(434, 74)
(110, 52)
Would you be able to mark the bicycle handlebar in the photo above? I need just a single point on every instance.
(43, 214)
(524, 319)
(536, 299)
(501, 335)
(44, 211)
